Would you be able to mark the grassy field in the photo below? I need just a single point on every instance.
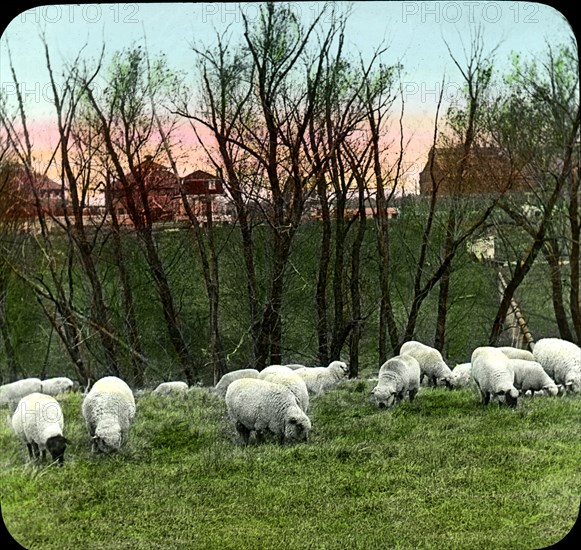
(441, 472)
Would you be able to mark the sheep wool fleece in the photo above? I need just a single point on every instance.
(109, 409)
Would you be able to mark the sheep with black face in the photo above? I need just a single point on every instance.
(38, 422)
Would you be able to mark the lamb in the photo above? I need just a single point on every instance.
(108, 410)
(12, 393)
(517, 353)
(281, 374)
(321, 379)
(432, 364)
(461, 376)
(57, 385)
(398, 376)
(169, 388)
(262, 406)
(530, 376)
(222, 385)
(38, 422)
(561, 360)
(493, 376)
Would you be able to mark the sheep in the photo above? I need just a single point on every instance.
(38, 422)
(461, 376)
(492, 375)
(562, 362)
(12, 393)
(517, 353)
(57, 385)
(530, 376)
(262, 406)
(222, 386)
(398, 376)
(432, 364)
(321, 379)
(108, 410)
(281, 374)
(169, 388)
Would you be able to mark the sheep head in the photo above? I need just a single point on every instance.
(56, 446)
(383, 396)
(297, 426)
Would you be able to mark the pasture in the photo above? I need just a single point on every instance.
(443, 471)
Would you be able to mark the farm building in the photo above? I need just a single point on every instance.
(26, 193)
(163, 194)
(487, 170)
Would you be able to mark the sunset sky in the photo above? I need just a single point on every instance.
(416, 33)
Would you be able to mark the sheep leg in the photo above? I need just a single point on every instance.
(243, 432)
(485, 397)
(35, 451)
(29, 447)
(412, 394)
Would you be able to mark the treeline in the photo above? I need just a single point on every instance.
(293, 118)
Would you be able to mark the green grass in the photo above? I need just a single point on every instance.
(441, 472)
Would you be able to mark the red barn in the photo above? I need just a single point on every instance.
(161, 189)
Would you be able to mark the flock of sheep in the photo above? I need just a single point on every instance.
(276, 400)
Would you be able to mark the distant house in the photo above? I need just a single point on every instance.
(31, 193)
(486, 170)
(158, 188)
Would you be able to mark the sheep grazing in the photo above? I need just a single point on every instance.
(398, 377)
(493, 377)
(38, 422)
(321, 379)
(57, 385)
(108, 410)
(561, 360)
(461, 376)
(12, 393)
(432, 365)
(517, 353)
(280, 374)
(222, 386)
(260, 406)
(530, 376)
(171, 388)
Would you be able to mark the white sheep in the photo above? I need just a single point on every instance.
(12, 393)
(38, 422)
(517, 353)
(398, 377)
(262, 406)
(108, 410)
(321, 379)
(222, 386)
(432, 365)
(562, 362)
(57, 385)
(530, 376)
(493, 376)
(170, 388)
(461, 376)
(280, 374)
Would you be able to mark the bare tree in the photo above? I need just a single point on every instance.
(128, 125)
(537, 122)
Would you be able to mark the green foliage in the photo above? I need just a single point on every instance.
(443, 471)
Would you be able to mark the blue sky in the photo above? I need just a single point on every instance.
(414, 31)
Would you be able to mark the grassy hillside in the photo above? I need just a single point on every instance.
(443, 471)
